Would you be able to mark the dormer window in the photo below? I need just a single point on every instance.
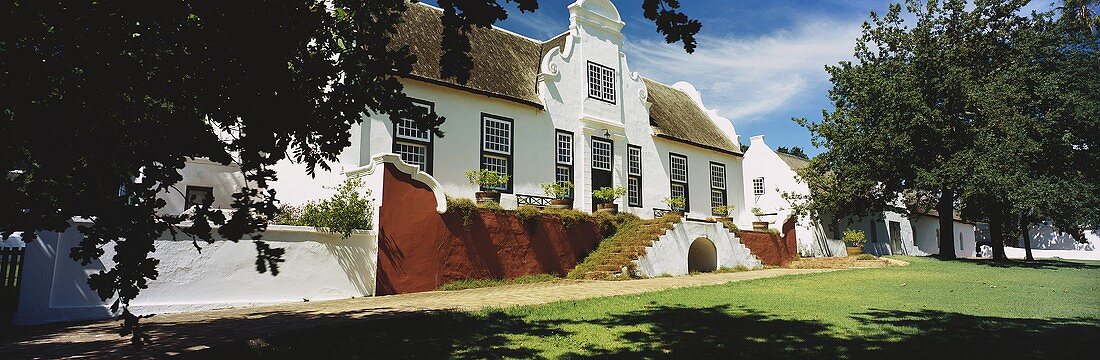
(601, 82)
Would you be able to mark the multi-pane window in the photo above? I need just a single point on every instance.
(565, 147)
(406, 129)
(717, 186)
(563, 169)
(601, 154)
(634, 191)
(678, 166)
(634, 175)
(634, 160)
(680, 190)
(758, 186)
(413, 154)
(496, 147)
(678, 174)
(497, 134)
(601, 82)
(412, 144)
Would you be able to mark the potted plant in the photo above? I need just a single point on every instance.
(759, 224)
(676, 204)
(559, 191)
(487, 180)
(853, 241)
(606, 197)
(722, 212)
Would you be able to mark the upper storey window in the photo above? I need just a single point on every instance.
(601, 82)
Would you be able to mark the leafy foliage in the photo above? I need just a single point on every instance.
(986, 108)
(463, 206)
(558, 190)
(128, 94)
(609, 194)
(675, 203)
(854, 237)
(486, 178)
(722, 210)
(793, 151)
(343, 214)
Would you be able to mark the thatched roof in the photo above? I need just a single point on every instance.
(793, 161)
(674, 115)
(505, 64)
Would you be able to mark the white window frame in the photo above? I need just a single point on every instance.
(410, 157)
(758, 186)
(564, 148)
(601, 82)
(602, 158)
(406, 128)
(634, 160)
(678, 173)
(490, 141)
(497, 148)
(406, 135)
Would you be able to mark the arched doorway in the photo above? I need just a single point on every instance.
(702, 256)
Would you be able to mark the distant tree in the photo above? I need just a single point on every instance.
(793, 151)
(978, 108)
(101, 103)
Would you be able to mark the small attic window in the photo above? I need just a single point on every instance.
(601, 82)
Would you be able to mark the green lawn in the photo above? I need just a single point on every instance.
(930, 309)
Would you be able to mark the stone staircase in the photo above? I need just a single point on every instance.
(668, 255)
(615, 256)
(657, 247)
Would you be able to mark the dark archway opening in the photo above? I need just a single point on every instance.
(702, 256)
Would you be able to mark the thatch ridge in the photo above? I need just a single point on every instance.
(674, 114)
(505, 64)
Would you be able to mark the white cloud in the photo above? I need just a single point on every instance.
(753, 78)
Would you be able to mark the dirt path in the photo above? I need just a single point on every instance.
(183, 332)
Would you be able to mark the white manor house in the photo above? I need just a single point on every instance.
(564, 109)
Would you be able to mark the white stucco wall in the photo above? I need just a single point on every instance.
(318, 266)
(669, 254)
(224, 179)
(925, 236)
(594, 35)
(1047, 237)
(763, 162)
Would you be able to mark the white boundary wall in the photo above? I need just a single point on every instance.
(318, 266)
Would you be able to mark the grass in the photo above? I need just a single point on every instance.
(930, 309)
(480, 283)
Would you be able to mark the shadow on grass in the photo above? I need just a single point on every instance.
(683, 332)
(434, 335)
(1046, 264)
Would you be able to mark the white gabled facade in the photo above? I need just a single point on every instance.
(567, 110)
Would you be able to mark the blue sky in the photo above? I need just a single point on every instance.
(759, 62)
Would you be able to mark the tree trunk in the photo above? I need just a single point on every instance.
(996, 233)
(946, 208)
(1027, 237)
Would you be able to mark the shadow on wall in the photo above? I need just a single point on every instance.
(684, 332)
(1046, 237)
(358, 264)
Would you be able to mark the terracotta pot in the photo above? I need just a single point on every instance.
(612, 208)
(760, 226)
(487, 196)
(723, 218)
(679, 213)
(561, 203)
(854, 250)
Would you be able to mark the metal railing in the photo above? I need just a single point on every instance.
(533, 200)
